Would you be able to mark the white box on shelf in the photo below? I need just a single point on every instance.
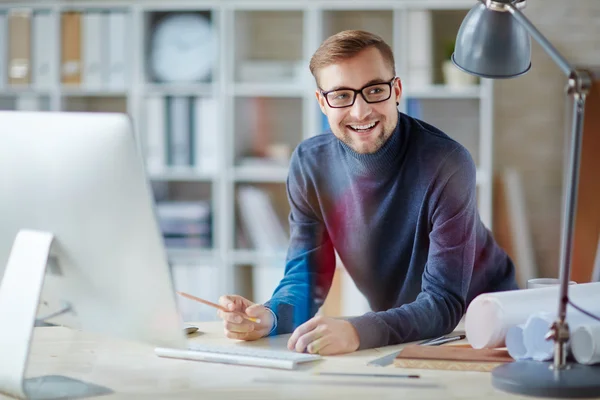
(420, 53)
(118, 49)
(95, 50)
(179, 138)
(43, 65)
(27, 102)
(155, 134)
(206, 134)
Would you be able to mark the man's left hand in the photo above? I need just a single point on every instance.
(325, 336)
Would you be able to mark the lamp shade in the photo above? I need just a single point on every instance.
(492, 44)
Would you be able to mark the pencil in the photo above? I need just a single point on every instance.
(411, 376)
(218, 307)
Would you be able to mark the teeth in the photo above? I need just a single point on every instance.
(363, 126)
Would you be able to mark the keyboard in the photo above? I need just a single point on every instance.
(282, 359)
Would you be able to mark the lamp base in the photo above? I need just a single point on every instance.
(535, 378)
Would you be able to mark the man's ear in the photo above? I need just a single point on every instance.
(398, 90)
(321, 101)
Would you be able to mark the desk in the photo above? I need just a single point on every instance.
(131, 370)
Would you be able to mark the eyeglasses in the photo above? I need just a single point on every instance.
(374, 93)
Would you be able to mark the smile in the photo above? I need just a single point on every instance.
(364, 129)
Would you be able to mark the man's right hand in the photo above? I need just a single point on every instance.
(240, 328)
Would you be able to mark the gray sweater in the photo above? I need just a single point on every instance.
(405, 224)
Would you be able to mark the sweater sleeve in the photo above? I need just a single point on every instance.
(452, 245)
(310, 261)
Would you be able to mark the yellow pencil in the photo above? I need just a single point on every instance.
(218, 307)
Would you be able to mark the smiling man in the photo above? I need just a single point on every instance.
(395, 197)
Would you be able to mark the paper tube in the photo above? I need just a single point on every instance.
(514, 342)
(585, 344)
(491, 315)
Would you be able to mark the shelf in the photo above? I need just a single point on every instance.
(17, 90)
(443, 92)
(190, 255)
(255, 257)
(170, 89)
(181, 174)
(268, 90)
(83, 92)
(266, 173)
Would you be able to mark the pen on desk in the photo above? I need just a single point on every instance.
(217, 306)
(443, 339)
(411, 376)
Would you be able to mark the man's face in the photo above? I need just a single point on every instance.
(365, 127)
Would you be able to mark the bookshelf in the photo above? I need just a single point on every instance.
(262, 97)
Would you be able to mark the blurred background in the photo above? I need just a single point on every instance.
(219, 94)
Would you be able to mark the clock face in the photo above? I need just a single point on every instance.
(183, 48)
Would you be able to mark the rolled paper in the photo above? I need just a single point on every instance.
(585, 343)
(534, 336)
(491, 315)
(514, 343)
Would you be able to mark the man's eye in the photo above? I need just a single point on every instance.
(341, 96)
(375, 91)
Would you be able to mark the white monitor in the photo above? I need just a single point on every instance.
(73, 190)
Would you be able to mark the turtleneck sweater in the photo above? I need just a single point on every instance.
(404, 223)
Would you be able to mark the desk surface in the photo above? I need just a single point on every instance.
(131, 370)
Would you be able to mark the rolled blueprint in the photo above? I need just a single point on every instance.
(538, 325)
(585, 343)
(514, 342)
(491, 315)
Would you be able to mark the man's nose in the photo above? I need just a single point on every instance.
(360, 109)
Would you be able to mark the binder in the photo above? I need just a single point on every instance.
(179, 143)
(117, 50)
(19, 47)
(94, 50)
(71, 48)
(205, 134)
(43, 45)
(155, 137)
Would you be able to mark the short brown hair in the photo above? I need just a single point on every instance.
(346, 44)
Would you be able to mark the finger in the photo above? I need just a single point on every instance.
(230, 317)
(301, 330)
(236, 335)
(319, 346)
(229, 302)
(308, 338)
(256, 310)
(239, 328)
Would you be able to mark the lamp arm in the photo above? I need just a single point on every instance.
(579, 84)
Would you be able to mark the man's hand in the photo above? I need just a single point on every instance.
(325, 336)
(237, 327)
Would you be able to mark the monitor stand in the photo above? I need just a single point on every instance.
(20, 291)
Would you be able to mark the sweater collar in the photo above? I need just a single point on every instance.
(383, 159)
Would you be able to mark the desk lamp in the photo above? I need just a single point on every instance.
(494, 42)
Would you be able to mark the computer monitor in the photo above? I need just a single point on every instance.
(73, 190)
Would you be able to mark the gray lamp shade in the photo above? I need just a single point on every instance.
(492, 44)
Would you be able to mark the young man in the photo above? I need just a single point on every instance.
(395, 197)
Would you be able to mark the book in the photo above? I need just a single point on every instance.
(460, 357)
(19, 46)
(71, 48)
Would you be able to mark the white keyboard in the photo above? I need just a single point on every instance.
(283, 359)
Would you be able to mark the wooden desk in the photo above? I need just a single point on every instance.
(131, 370)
